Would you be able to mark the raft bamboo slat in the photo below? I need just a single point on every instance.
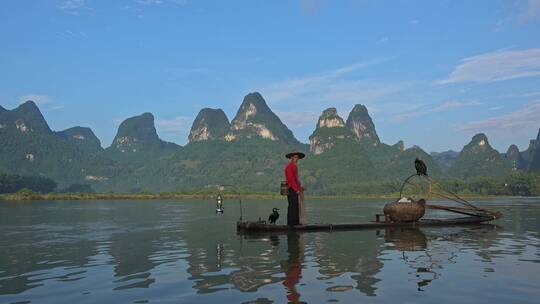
(247, 226)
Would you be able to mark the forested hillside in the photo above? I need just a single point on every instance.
(343, 156)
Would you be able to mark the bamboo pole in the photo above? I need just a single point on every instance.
(301, 209)
(455, 210)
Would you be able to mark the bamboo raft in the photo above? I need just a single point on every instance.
(247, 226)
(402, 213)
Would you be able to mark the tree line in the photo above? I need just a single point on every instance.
(12, 183)
(517, 183)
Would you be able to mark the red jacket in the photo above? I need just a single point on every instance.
(291, 174)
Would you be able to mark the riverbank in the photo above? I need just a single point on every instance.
(29, 195)
(162, 196)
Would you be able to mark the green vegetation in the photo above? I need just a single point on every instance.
(523, 184)
(479, 159)
(213, 122)
(517, 183)
(10, 183)
(30, 148)
(351, 160)
(78, 188)
(81, 137)
(255, 164)
(137, 141)
(26, 194)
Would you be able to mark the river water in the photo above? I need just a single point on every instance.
(182, 252)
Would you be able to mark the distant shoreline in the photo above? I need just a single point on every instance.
(25, 196)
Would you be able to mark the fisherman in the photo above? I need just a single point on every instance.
(295, 188)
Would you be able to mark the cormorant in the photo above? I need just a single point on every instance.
(273, 216)
(421, 168)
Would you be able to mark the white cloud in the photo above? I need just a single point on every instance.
(37, 98)
(348, 93)
(496, 66)
(518, 122)
(445, 106)
(531, 94)
(149, 2)
(68, 34)
(140, 7)
(57, 107)
(454, 104)
(405, 116)
(74, 7)
(409, 111)
(159, 2)
(298, 119)
(334, 87)
(179, 124)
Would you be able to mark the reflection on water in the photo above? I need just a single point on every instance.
(136, 252)
(292, 266)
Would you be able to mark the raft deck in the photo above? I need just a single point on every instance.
(247, 226)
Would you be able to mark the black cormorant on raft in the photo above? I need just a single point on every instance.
(403, 212)
(273, 217)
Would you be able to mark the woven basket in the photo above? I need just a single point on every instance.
(405, 212)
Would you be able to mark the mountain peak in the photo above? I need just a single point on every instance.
(400, 145)
(478, 158)
(256, 99)
(25, 118)
(252, 104)
(329, 132)
(135, 132)
(532, 145)
(330, 119)
(147, 115)
(533, 154)
(209, 124)
(528, 154)
(362, 125)
(255, 119)
(514, 156)
(30, 104)
(136, 142)
(480, 139)
(512, 150)
(445, 159)
(28, 108)
(359, 108)
(82, 137)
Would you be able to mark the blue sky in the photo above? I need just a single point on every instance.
(432, 73)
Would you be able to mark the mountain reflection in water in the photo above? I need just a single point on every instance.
(183, 252)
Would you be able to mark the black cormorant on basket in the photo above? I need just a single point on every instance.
(421, 168)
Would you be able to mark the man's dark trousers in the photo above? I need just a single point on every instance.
(293, 211)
